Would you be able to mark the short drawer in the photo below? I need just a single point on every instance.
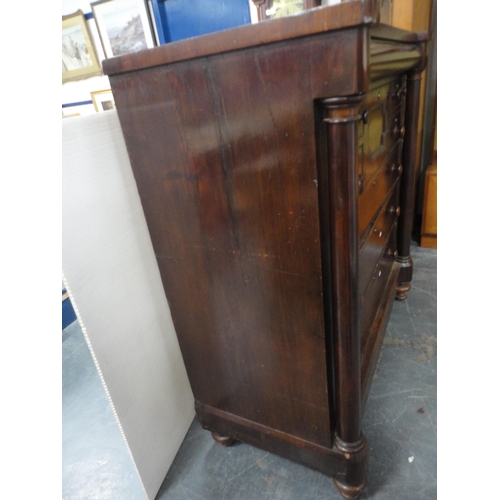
(378, 281)
(396, 96)
(377, 191)
(376, 241)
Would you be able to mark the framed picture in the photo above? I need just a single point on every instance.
(103, 100)
(78, 55)
(124, 26)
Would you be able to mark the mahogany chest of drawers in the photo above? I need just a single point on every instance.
(275, 167)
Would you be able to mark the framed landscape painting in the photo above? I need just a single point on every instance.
(124, 26)
(78, 55)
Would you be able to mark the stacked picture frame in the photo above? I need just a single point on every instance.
(124, 26)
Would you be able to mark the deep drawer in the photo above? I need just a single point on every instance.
(376, 241)
(372, 198)
(378, 280)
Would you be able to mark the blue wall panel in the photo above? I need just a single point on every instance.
(180, 19)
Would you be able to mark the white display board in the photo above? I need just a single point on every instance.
(113, 279)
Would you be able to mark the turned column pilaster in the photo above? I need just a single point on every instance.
(407, 198)
(341, 116)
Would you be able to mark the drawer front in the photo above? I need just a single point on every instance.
(371, 199)
(380, 129)
(396, 96)
(376, 241)
(378, 280)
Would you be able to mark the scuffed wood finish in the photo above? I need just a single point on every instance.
(228, 172)
(266, 159)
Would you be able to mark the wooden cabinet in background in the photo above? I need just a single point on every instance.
(429, 217)
(275, 165)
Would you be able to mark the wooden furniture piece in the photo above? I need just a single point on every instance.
(275, 164)
(429, 218)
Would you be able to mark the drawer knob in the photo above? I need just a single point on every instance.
(396, 210)
(380, 234)
(396, 168)
(364, 116)
(398, 131)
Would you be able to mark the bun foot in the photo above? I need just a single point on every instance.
(402, 290)
(350, 492)
(223, 440)
(351, 480)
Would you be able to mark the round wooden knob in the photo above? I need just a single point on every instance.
(398, 211)
(395, 253)
(398, 131)
(397, 168)
(393, 209)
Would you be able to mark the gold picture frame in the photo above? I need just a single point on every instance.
(103, 100)
(79, 58)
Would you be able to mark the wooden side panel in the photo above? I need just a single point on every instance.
(223, 152)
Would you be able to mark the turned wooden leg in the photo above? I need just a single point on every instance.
(405, 276)
(223, 440)
(407, 185)
(351, 480)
